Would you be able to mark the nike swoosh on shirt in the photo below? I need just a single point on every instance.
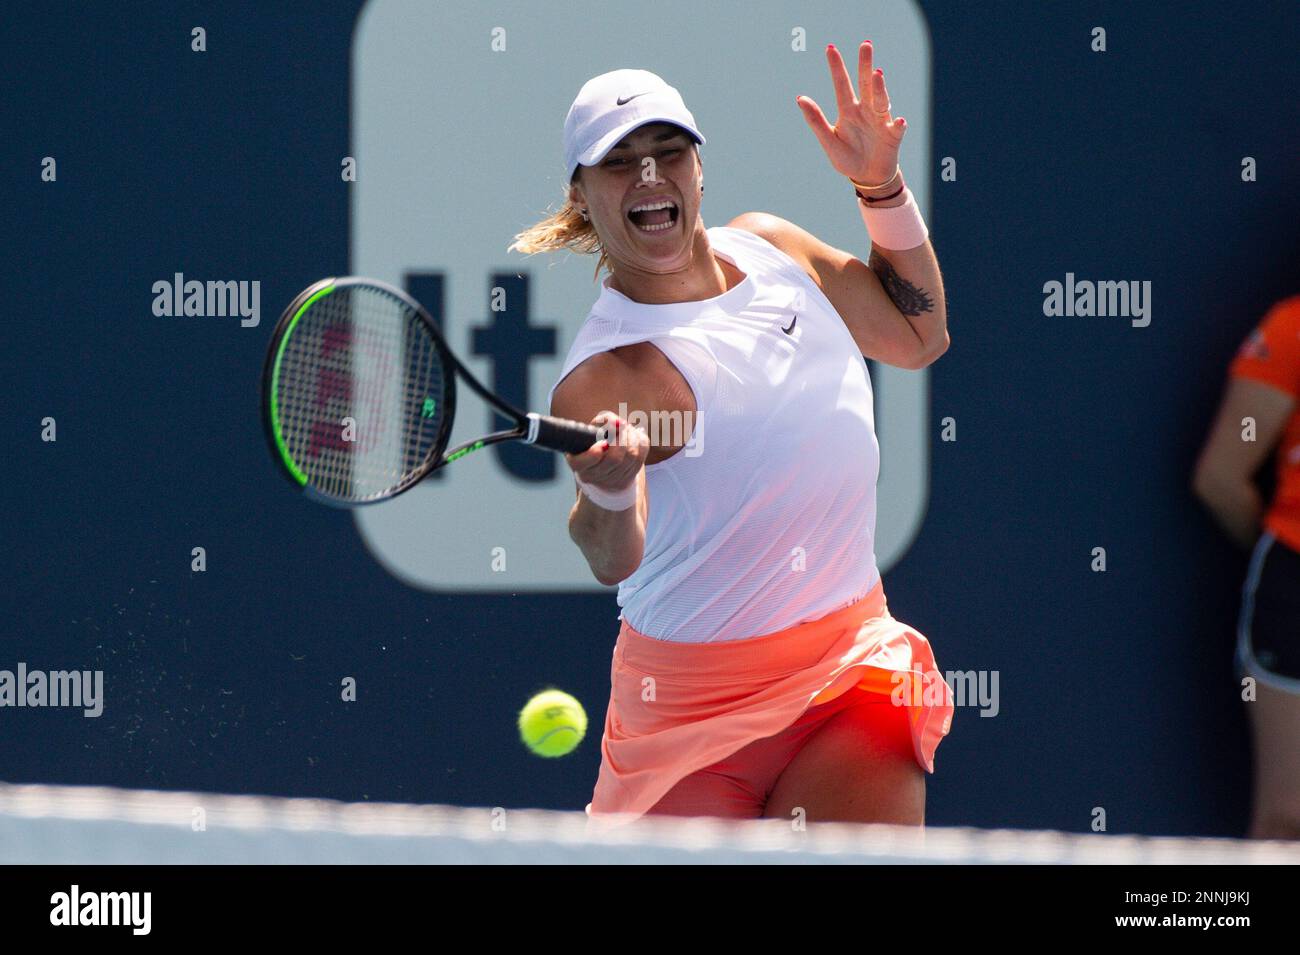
(623, 101)
(791, 328)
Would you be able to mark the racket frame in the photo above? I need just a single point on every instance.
(526, 426)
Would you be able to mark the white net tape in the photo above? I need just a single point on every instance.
(84, 825)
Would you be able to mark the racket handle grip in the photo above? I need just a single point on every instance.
(560, 434)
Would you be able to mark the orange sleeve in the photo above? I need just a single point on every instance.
(1271, 353)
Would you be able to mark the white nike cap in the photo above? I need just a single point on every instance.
(613, 104)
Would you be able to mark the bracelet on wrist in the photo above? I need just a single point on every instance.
(861, 189)
(870, 200)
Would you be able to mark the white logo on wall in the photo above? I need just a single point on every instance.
(450, 180)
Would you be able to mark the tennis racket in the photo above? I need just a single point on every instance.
(359, 393)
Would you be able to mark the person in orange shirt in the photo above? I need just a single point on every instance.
(1259, 415)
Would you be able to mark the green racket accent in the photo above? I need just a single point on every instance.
(430, 407)
(464, 451)
(289, 462)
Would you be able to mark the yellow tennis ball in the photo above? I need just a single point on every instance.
(552, 723)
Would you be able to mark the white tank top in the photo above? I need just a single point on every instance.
(766, 519)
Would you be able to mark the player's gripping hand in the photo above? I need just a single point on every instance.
(612, 464)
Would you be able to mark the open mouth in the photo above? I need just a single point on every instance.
(655, 216)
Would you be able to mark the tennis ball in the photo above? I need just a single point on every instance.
(552, 723)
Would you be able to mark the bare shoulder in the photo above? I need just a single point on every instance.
(801, 245)
(782, 233)
(600, 383)
(599, 374)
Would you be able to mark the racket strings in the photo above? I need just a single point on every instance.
(361, 394)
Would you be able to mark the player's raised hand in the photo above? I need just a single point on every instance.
(863, 143)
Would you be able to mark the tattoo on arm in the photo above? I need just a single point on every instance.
(907, 298)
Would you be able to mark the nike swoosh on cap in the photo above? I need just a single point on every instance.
(624, 100)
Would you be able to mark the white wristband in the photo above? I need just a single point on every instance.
(609, 500)
(898, 228)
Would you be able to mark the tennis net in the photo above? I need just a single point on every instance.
(92, 825)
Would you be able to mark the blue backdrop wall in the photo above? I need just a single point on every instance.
(1116, 688)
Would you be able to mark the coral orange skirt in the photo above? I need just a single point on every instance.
(675, 708)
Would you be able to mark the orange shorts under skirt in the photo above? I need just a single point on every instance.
(676, 708)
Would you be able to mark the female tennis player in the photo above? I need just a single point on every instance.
(757, 671)
(1264, 385)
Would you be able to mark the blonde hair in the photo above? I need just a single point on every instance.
(565, 229)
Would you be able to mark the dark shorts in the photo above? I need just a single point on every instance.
(1268, 632)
